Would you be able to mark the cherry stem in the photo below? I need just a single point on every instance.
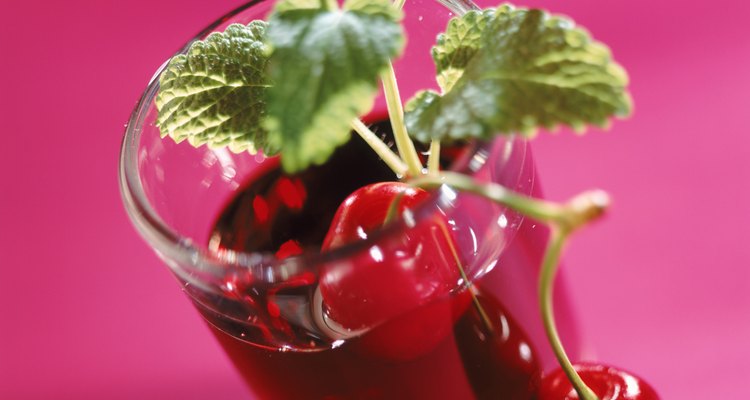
(396, 113)
(393, 213)
(391, 159)
(563, 219)
(393, 209)
(578, 211)
(550, 263)
(482, 314)
(538, 209)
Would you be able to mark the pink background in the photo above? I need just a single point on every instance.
(87, 311)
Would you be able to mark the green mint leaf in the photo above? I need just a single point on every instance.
(458, 45)
(529, 70)
(215, 94)
(421, 106)
(325, 65)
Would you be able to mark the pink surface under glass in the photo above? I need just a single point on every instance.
(661, 286)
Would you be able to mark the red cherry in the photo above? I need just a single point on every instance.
(607, 382)
(498, 357)
(414, 333)
(399, 286)
(365, 210)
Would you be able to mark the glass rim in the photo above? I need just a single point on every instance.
(172, 247)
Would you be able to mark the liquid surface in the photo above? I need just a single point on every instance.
(274, 211)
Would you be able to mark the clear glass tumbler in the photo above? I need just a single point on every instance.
(398, 315)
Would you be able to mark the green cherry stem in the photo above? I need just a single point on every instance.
(396, 112)
(393, 209)
(550, 263)
(563, 219)
(470, 287)
(391, 159)
(538, 209)
(392, 214)
(578, 211)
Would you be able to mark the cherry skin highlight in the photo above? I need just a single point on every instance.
(608, 383)
(398, 290)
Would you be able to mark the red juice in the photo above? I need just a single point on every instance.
(465, 364)
(468, 345)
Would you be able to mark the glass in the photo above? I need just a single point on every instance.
(278, 318)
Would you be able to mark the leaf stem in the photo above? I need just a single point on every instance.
(391, 159)
(549, 267)
(396, 112)
(433, 160)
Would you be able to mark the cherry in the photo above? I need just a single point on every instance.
(608, 383)
(397, 289)
(414, 333)
(365, 211)
(497, 355)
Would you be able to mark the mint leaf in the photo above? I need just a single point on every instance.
(528, 70)
(215, 93)
(325, 65)
(458, 45)
(421, 106)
